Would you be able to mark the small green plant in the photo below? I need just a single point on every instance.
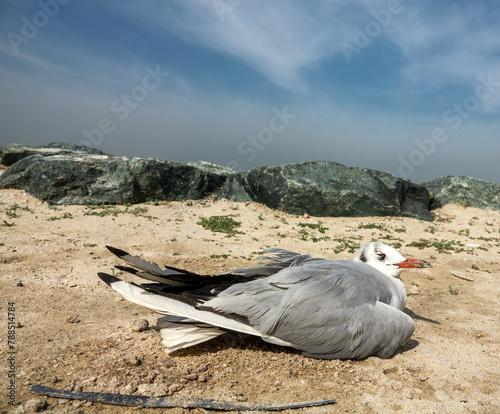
(260, 217)
(401, 230)
(11, 213)
(346, 244)
(64, 216)
(102, 210)
(453, 291)
(318, 226)
(371, 226)
(218, 256)
(110, 210)
(443, 246)
(430, 229)
(421, 244)
(464, 232)
(221, 224)
(14, 208)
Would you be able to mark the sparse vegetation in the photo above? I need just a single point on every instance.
(346, 244)
(306, 235)
(430, 229)
(218, 256)
(443, 246)
(64, 216)
(318, 226)
(372, 226)
(111, 210)
(12, 210)
(221, 224)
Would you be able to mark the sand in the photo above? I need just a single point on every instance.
(74, 332)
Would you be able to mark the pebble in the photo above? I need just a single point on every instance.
(139, 325)
(144, 389)
(203, 378)
(134, 361)
(72, 319)
(175, 388)
(34, 405)
(129, 389)
(191, 377)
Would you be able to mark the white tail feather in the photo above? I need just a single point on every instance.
(171, 306)
(177, 335)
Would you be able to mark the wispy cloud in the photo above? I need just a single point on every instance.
(277, 39)
(453, 49)
(283, 40)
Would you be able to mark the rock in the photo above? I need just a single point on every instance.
(469, 191)
(139, 325)
(134, 361)
(323, 188)
(175, 387)
(129, 389)
(191, 377)
(74, 147)
(84, 179)
(212, 168)
(12, 153)
(35, 405)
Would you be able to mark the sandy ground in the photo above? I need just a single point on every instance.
(73, 332)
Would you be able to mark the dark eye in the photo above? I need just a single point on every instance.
(381, 256)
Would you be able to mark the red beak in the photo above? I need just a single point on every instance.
(413, 263)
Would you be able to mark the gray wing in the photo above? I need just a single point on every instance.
(327, 309)
(274, 261)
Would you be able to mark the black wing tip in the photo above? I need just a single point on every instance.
(127, 269)
(108, 279)
(118, 252)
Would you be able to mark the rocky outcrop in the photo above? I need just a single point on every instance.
(82, 178)
(464, 190)
(12, 153)
(322, 188)
(62, 173)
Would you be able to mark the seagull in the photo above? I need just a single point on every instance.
(327, 309)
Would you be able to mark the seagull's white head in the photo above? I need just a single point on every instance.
(387, 259)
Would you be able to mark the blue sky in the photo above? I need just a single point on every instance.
(407, 87)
